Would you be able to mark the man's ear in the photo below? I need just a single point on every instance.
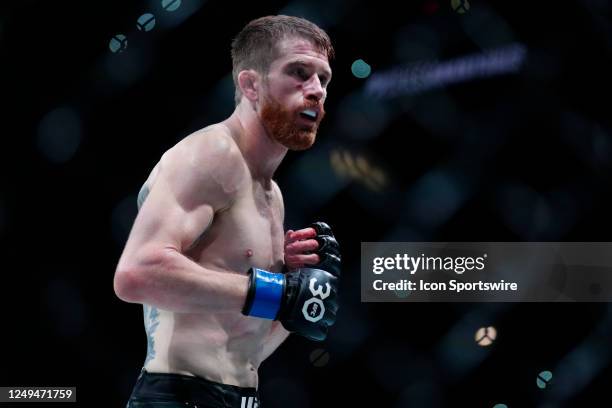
(249, 83)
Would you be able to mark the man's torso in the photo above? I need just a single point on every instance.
(223, 347)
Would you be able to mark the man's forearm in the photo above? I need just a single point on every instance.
(173, 282)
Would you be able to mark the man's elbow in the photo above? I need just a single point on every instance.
(128, 284)
(133, 276)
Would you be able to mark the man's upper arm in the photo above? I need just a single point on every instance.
(196, 178)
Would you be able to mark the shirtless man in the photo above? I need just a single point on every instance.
(221, 284)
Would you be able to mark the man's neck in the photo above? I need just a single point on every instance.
(262, 154)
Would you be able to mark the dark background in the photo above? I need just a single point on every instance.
(524, 156)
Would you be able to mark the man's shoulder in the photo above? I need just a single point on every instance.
(211, 159)
(214, 141)
(204, 150)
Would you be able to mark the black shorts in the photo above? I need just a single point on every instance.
(162, 390)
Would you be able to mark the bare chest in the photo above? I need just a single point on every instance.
(248, 234)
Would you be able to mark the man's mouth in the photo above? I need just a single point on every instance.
(309, 114)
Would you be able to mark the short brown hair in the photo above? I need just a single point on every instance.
(255, 47)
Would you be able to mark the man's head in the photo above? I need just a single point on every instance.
(281, 65)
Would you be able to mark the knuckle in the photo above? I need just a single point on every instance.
(321, 228)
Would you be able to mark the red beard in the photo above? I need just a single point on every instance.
(281, 125)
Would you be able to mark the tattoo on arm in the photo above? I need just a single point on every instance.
(142, 195)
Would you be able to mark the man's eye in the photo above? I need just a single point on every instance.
(301, 73)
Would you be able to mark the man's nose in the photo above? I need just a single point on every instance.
(313, 90)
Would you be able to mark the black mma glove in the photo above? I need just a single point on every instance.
(304, 300)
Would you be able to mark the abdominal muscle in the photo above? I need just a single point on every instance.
(221, 347)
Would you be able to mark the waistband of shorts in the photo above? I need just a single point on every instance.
(188, 388)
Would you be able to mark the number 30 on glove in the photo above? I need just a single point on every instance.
(303, 300)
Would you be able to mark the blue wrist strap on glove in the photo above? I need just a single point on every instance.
(265, 294)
